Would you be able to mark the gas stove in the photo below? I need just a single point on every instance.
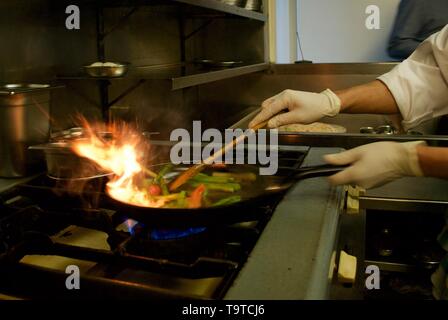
(48, 235)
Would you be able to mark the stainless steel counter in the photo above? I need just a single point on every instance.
(292, 258)
(5, 184)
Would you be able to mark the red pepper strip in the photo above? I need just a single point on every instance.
(195, 199)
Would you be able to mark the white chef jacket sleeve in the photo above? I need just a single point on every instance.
(420, 83)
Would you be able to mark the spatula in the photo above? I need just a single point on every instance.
(195, 169)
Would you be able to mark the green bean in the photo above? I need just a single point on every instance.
(227, 187)
(227, 201)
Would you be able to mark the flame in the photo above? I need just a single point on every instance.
(123, 155)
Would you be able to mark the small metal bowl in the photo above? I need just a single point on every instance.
(207, 63)
(385, 129)
(237, 3)
(107, 71)
(368, 130)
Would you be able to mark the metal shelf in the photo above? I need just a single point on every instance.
(223, 7)
(210, 76)
(214, 5)
(180, 75)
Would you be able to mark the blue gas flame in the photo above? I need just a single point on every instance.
(175, 233)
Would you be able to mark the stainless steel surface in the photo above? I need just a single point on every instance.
(279, 268)
(25, 120)
(391, 266)
(333, 69)
(223, 7)
(412, 188)
(14, 88)
(383, 129)
(369, 130)
(68, 134)
(237, 3)
(218, 64)
(342, 140)
(201, 78)
(353, 140)
(107, 71)
(408, 194)
(254, 5)
(404, 205)
(386, 129)
(6, 184)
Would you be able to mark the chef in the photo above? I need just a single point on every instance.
(416, 20)
(417, 89)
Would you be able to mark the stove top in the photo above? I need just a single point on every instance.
(48, 235)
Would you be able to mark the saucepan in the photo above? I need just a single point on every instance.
(63, 164)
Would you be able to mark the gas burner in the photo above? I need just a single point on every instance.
(138, 229)
(177, 244)
(43, 229)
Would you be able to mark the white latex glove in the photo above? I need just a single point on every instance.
(377, 163)
(304, 107)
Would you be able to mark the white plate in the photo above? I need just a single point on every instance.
(316, 127)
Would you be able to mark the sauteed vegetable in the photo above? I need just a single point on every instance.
(202, 190)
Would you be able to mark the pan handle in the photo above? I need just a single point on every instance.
(316, 171)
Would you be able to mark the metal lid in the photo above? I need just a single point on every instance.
(18, 88)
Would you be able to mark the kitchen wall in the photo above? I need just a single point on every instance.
(37, 47)
(35, 42)
(26, 46)
(334, 30)
(282, 32)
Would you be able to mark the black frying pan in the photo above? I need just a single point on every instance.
(265, 191)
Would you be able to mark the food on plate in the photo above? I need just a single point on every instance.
(104, 64)
(110, 64)
(97, 64)
(317, 127)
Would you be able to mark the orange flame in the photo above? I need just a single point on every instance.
(122, 153)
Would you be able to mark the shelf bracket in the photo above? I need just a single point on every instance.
(202, 26)
(121, 21)
(126, 92)
(83, 96)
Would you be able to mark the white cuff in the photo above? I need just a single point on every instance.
(413, 161)
(335, 103)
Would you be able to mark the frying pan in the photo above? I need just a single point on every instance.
(259, 194)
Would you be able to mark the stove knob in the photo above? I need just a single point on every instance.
(353, 195)
(347, 268)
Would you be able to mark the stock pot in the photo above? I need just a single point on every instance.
(24, 121)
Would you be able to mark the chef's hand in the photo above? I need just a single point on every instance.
(377, 163)
(303, 107)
